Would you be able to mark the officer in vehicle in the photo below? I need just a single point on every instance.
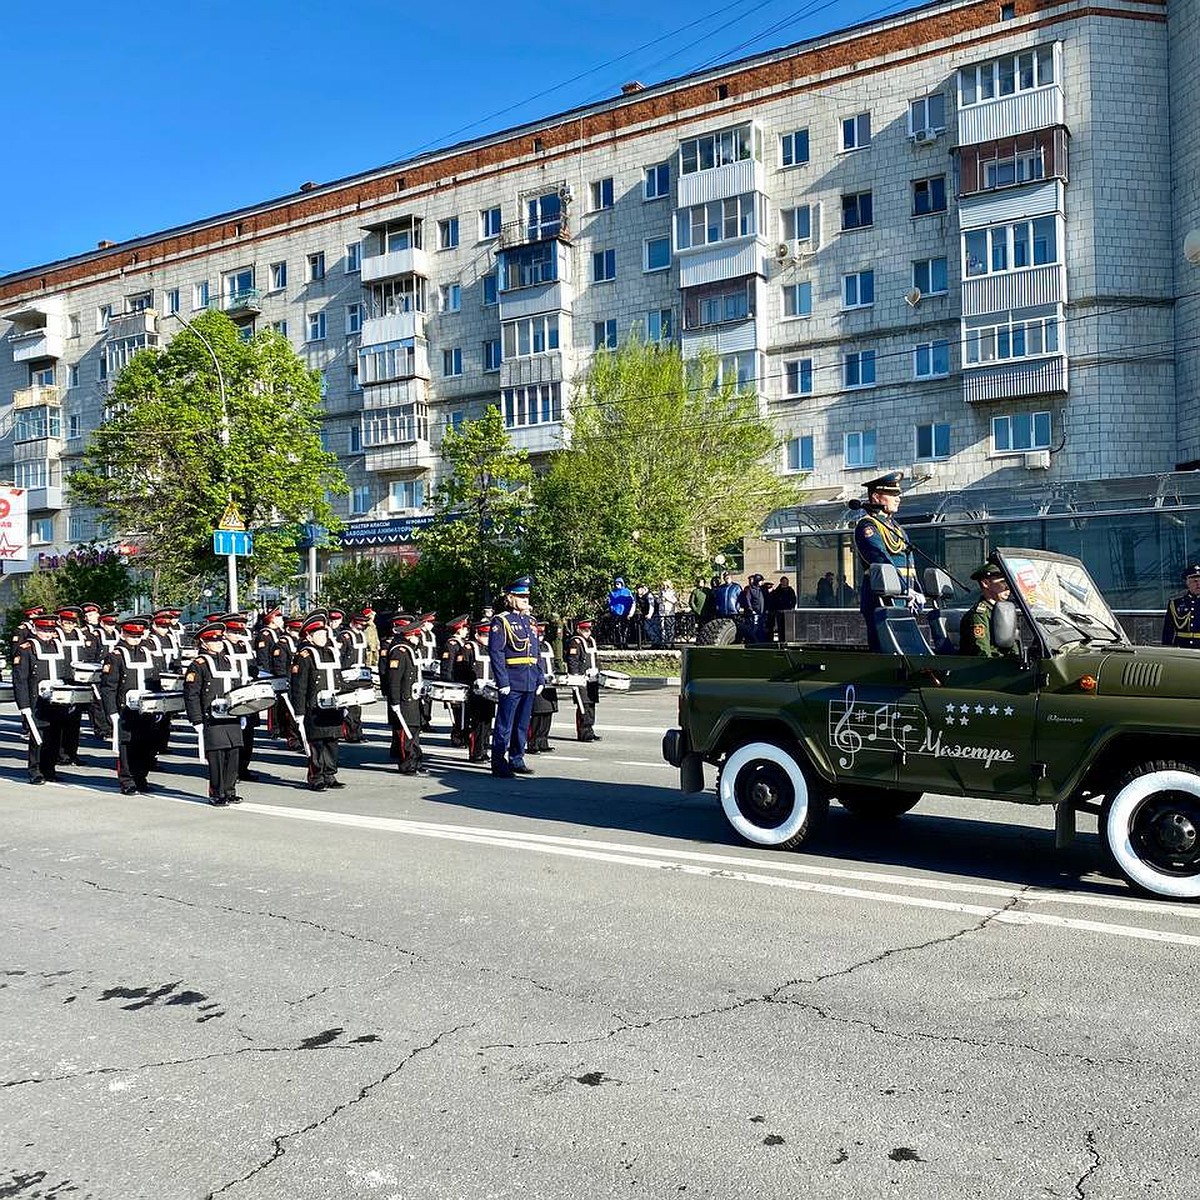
(515, 653)
(1181, 625)
(975, 629)
(878, 539)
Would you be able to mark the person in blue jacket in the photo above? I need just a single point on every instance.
(878, 539)
(620, 605)
(515, 653)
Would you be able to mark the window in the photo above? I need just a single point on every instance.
(316, 266)
(238, 286)
(139, 303)
(489, 289)
(656, 181)
(718, 149)
(41, 377)
(74, 376)
(856, 132)
(739, 369)
(353, 257)
(929, 195)
(171, 301)
(280, 327)
(857, 210)
(927, 114)
(323, 384)
(489, 223)
(601, 194)
(658, 253)
(858, 369)
(604, 266)
(793, 148)
(104, 316)
(354, 318)
(1015, 169)
(721, 307)
(246, 332)
(858, 289)
(858, 448)
(1022, 431)
(797, 299)
(1006, 76)
(455, 420)
(41, 531)
(604, 335)
(407, 493)
(278, 276)
(450, 297)
(74, 426)
(76, 529)
(932, 441)
(355, 439)
(718, 221)
(798, 377)
(491, 354)
(798, 453)
(530, 265)
(355, 386)
(1015, 339)
(533, 335)
(931, 360)
(73, 324)
(929, 276)
(316, 326)
(1010, 247)
(102, 368)
(539, 404)
(360, 500)
(660, 325)
(452, 361)
(448, 233)
(796, 224)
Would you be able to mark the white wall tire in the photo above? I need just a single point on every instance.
(1151, 828)
(767, 797)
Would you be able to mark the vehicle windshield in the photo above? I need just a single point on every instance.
(1060, 598)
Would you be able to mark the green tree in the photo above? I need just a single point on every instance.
(476, 542)
(665, 466)
(170, 456)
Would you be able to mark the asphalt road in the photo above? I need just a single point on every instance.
(574, 985)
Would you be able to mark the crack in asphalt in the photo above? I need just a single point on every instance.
(279, 1142)
(1090, 1139)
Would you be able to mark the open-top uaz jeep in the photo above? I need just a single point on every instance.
(1077, 717)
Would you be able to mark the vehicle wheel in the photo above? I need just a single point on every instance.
(720, 631)
(768, 797)
(875, 804)
(1151, 827)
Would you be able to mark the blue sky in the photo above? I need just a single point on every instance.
(123, 120)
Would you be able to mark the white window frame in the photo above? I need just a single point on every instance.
(448, 233)
(795, 227)
(932, 430)
(452, 362)
(728, 220)
(355, 441)
(1005, 238)
(528, 336)
(860, 449)
(798, 300)
(315, 327)
(797, 377)
(659, 320)
(353, 257)
(854, 133)
(928, 183)
(171, 301)
(990, 77)
(1004, 337)
(656, 241)
(654, 186)
(316, 266)
(495, 278)
(1006, 421)
(795, 451)
(737, 143)
(406, 494)
(601, 193)
(920, 119)
(604, 334)
(927, 263)
(489, 223)
(853, 289)
(450, 297)
(858, 359)
(278, 276)
(360, 500)
(787, 149)
(930, 351)
(857, 196)
(491, 354)
(354, 318)
(604, 265)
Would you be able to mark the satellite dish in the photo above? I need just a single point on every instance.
(783, 252)
(913, 297)
(1191, 247)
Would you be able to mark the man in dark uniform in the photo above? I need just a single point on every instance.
(1181, 625)
(878, 539)
(474, 668)
(24, 631)
(452, 651)
(545, 703)
(316, 672)
(77, 648)
(402, 696)
(99, 643)
(166, 643)
(282, 653)
(975, 629)
(210, 677)
(516, 667)
(39, 659)
(131, 666)
(241, 652)
(582, 661)
(265, 640)
(352, 645)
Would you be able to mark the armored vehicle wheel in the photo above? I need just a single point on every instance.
(720, 631)
(875, 804)
(768, 797)
(1151, 827)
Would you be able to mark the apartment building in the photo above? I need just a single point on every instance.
(946, 241)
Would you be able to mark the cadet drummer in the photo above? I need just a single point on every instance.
(975, 629)
(1181, 625)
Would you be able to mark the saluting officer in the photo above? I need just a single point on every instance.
(402, 695)
(878, 539)
(516, 666)
(582, 660)
(1181, 625)
(474, 668)
(545, 702)
(131, 666)
(210, 677)
(39, 659)
(315, 675)
(352, 645)
(975, 628)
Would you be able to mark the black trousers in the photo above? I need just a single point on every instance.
(539, 730)
(353, 724)
(72, 720)
(137, 741)
(247, 744)
(222, 771)
(322, 758)
(585, 711)
(43, 759)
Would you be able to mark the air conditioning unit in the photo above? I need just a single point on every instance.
(784, 252)
(1037, 460)
(923, 137)
(922, 472)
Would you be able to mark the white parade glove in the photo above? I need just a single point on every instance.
(505, 690)
(537, 691)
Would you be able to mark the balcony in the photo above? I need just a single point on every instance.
(1031, 287)
(38, 330)
(726, 260)
(390, 361)
(539, 439)
(32, 397)
(719, 183)
(394, 394)
(143, 323)
(45, 499)
(395, 327)
(36, 345)
(532, 368)
(1015, 380)
(242, 305)
(400, 456)
(412, 261)
(1009, 116)
(1013, 162)
(544, 229)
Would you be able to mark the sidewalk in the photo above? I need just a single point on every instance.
(637, 683)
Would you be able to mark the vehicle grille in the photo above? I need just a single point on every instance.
(1141, 675)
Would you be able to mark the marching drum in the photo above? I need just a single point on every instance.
(571, 681)
(358, 697)
(487, 689)
(171, 682)
(616, 681)
(355, 675)
(65, 693)
(250, 698)
(150, 703)
(445, 691)
(86, 672)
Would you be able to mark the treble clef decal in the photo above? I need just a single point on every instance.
(847, 740)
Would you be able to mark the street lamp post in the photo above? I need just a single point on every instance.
(230, 559)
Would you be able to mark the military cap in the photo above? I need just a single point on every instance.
(70, 612)
(275, 611)
(88, 606)
(44, 620)
(164, 616)
(1192, 571)
(137, 625)
(315, 620)
(426, 619)
(521, 586)
(35, 610)
(294, 623)
(459, 622)
(584, 623)
(359, 618)
(482, 626)
(108, 618)
(213, 616)
(336, 614)
(888, 484)
(212, 632)
(987, 570)
(408, 628)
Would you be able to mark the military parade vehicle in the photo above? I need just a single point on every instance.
(1070, 713)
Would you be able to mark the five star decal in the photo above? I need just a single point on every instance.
(960, 714)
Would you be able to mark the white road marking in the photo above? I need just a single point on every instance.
(621, 763)
(656, 730)
(666, 860)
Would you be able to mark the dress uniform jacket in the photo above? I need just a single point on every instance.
(128, 669)
(210, 677)
(403, 691)
(582, 660)
(36, 662)
(474, 665)
(1181, 625)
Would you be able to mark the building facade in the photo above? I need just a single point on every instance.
(947, 241)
